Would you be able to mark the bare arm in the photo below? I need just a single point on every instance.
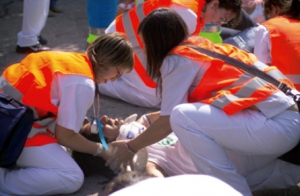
(76, 141)
(160, 129)
(156, 132)
(149, 118)
(154, 116)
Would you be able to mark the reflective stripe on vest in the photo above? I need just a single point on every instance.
(129, 26)
(245, 91)
(225, 86)
(295, 78)
(285, 46)
(30, 83)
(128, 23)
(274, 72)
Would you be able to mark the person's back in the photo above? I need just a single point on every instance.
(137, 87)
(221, 75)
(39, 70)
(278, 39)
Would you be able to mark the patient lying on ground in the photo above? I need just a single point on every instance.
(165, 158)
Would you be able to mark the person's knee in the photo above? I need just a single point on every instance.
(179, 114)
(76, 179)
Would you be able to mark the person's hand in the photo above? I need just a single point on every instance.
(122, 156)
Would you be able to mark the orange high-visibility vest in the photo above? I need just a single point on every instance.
(285, 46)
(223, 85)
(128, 23)
(30, 82)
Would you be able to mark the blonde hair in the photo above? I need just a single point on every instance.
(111, 50)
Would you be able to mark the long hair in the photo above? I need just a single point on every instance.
(162, 30)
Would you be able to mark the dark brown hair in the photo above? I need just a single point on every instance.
(283, 5)
(294, 12)
(289, 8)
(90, 164)
(235, 6)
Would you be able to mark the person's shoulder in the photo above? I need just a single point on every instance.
(177, 59)
(260, 28)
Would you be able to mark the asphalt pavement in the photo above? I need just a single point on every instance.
(68, 32)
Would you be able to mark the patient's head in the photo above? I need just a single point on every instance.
(94, 165)
(110, 129)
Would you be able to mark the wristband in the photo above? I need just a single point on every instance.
(99, 150)
(128, 147)
(148, 119)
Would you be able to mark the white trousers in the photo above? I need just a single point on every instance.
(44, 170)
(131, 90)
(241, 149)
(130, 87)
(35, 14)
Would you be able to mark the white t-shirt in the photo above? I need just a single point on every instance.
(179, 77)
(170, 155)
(73, 95)
(262, 44)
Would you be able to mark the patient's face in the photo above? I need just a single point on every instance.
(111, 127)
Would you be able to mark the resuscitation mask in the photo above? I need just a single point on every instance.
(129, 130)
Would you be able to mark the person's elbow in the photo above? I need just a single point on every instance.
(63, 134)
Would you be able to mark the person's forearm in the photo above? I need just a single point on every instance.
(148, 118)
(79, 143)
(156, 132)
(75, 141)
(153, 116)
